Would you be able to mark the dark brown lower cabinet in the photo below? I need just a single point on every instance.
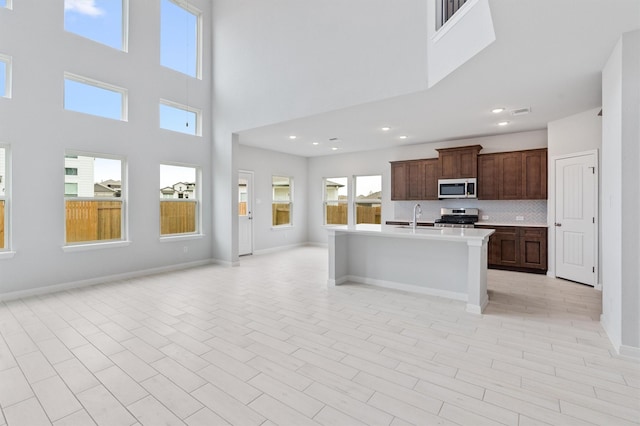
(518, 248)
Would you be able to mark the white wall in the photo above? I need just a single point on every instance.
(39, 131)
(577, 133)
(377, 162)
(621, 195)
(462, 37)
(276, 61)
(265, 164)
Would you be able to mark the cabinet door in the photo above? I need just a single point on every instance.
(468, 164)
(504, 249)
(533, 248)
(488, 177)
(510, 176)
(450, 165)
(534, 175)
(430, 179)
(415, 180)
(399, 181)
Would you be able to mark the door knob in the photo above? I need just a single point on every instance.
(558, 224)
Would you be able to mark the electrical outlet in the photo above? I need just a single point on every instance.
(519, 218)
(485, 217)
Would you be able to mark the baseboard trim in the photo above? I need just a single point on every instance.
(288, 247)
(39, 291)
(629, 351)
(402, 287)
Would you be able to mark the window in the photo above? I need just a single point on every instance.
(5, 3)
(5, 76)
(93, 97)
(103, 21)
(4, 198)
(180, 37)
(179, 189)
(335, 201)
(445, 10)
(94, 200)
(368, 199)
(281, 207)
(179, 118)
(71, 171)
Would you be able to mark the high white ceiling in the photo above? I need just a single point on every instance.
(548, 55)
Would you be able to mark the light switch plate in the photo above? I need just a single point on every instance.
(519, 218)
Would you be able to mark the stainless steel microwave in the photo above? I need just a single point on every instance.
(458, 188)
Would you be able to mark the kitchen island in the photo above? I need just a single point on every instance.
(446, 262)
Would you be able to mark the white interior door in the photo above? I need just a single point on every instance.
(575, 218)
(245, 217)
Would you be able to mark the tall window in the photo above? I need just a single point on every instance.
(104, 21)
(178, 199)
(179, 118)
(4, 198)
(282, 204)
(335, 200)
(5, 76)
(368, 199)
(93, 97)
(5, 3)
(180, 37)
(94, 199)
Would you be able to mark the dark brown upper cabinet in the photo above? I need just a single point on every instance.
(515, 175)
(414, 179)
(459, 162)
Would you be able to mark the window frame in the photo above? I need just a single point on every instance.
(124, 111)
(124, 29)
(355, 197)
(6, 251)
(8, 5)
(124, 234)
(186, 108)
(198, 200)
(325, 201)
(290, 202)
(8, 65)
(190, 8)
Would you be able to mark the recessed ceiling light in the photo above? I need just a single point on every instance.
(292, 137)
(503, 123)
(497, 110)
(386, 129)
(404, 137)
(316, 143)
(334, 148)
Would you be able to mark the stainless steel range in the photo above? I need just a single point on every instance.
(456, 218)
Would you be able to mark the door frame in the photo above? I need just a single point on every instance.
(250, 198)
(551, 213)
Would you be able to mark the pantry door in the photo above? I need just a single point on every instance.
(245, 216)
(575, 224)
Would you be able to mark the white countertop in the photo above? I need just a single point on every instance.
(427, 233)
(523, 224)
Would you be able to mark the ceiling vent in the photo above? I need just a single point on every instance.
(521, 111)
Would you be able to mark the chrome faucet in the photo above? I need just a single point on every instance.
(417, 211)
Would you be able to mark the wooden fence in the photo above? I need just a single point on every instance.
(368, 214)
(93, 220)
(242, 208)
(177, 217)
(1, 224)
(280, 214)
(337, 214)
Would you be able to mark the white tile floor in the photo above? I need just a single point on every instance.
(268, 343)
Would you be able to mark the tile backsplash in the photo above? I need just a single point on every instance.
(499, 211)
